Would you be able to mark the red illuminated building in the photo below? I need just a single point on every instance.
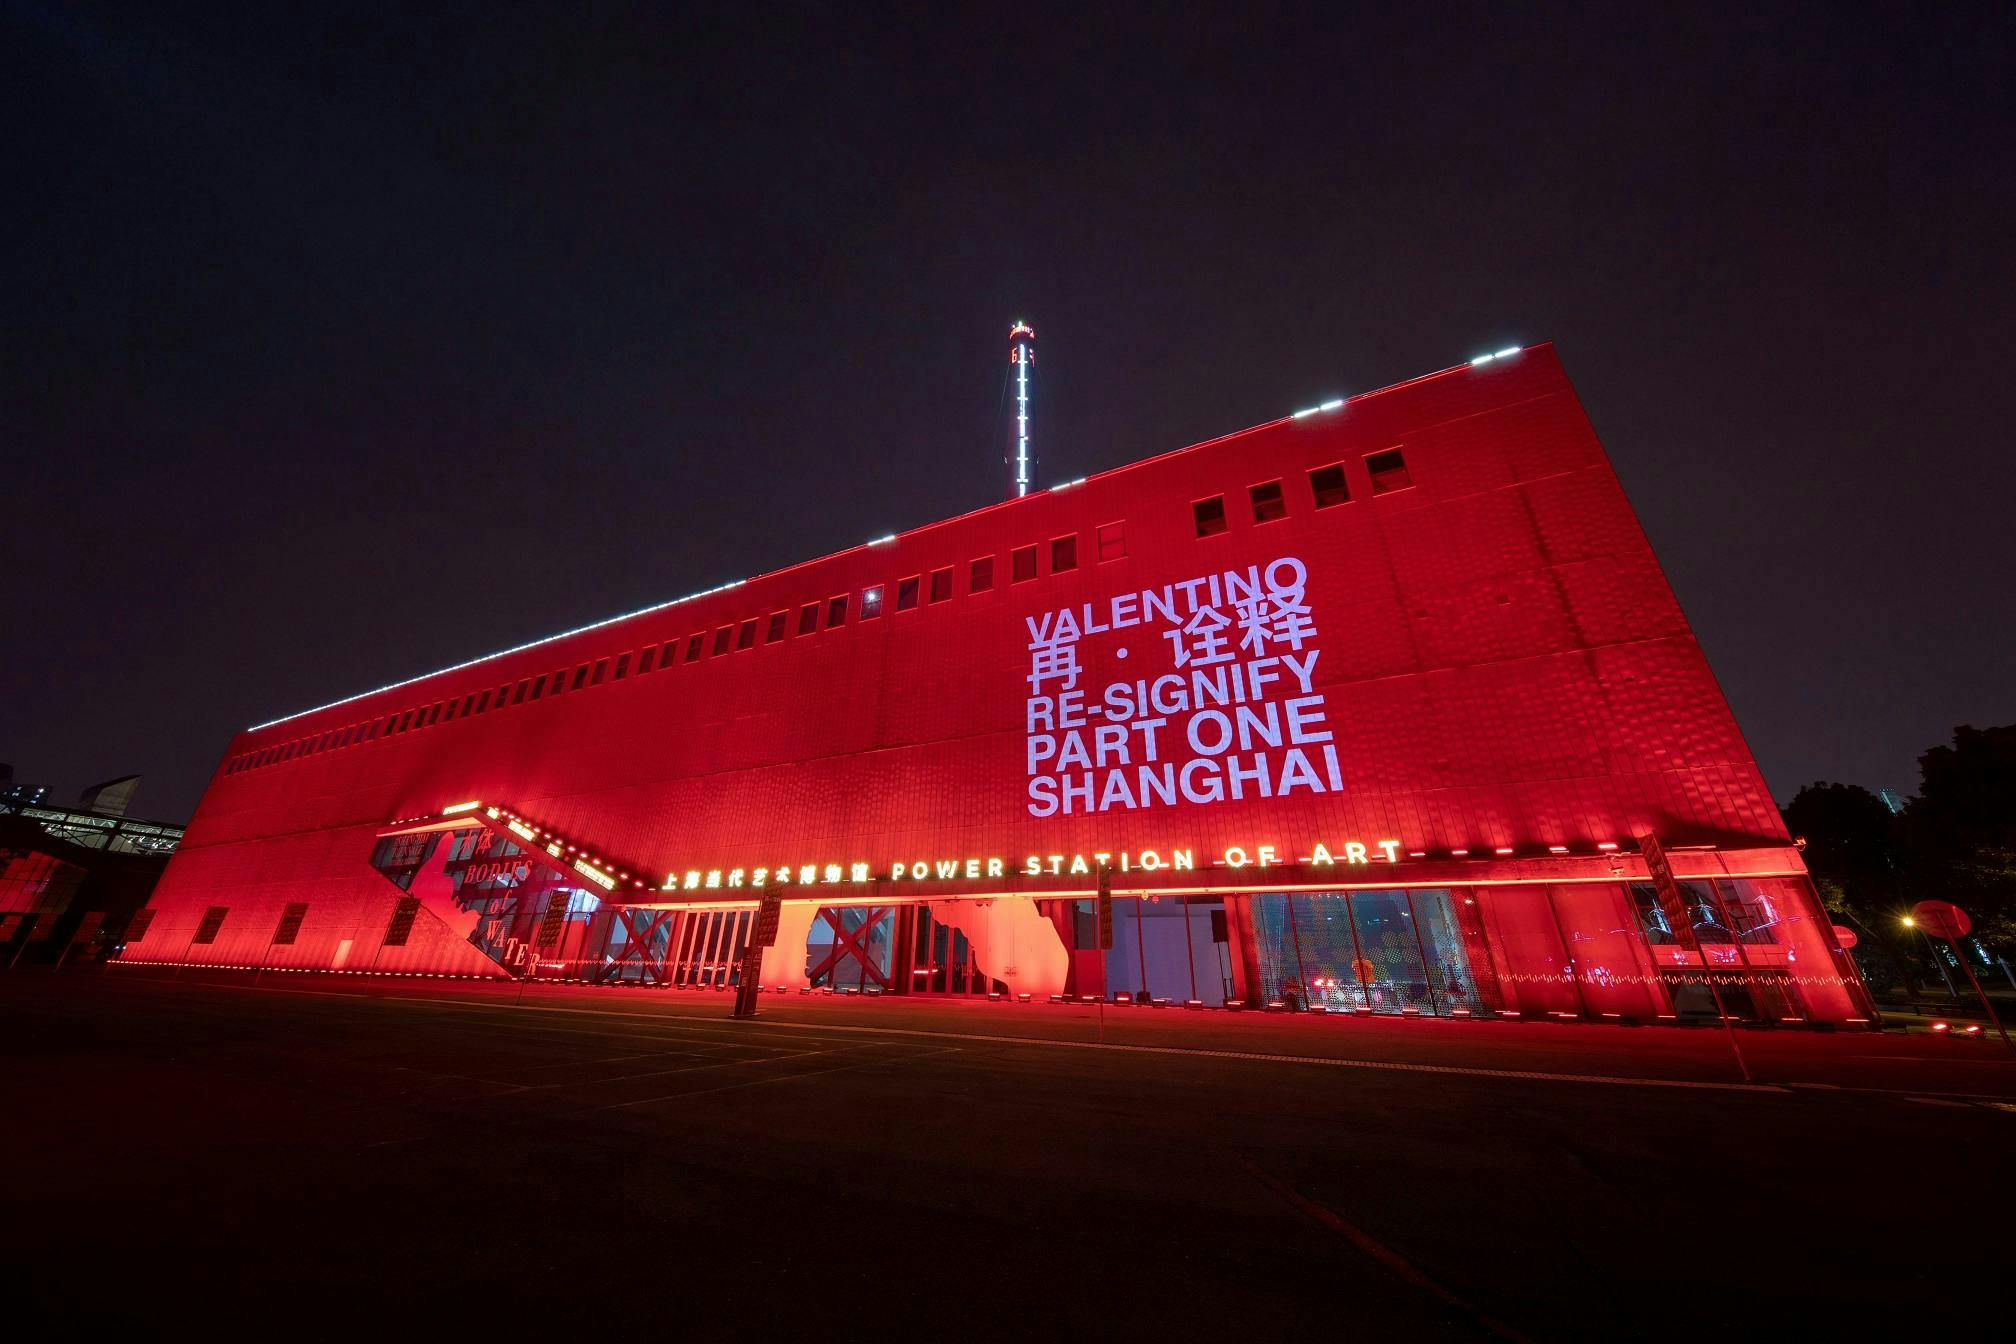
(1382, 707)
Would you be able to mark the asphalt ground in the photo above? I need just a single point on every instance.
(313, 1156)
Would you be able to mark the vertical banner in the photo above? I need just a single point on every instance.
(762, 935)
(1105, 908)
(1676, 904)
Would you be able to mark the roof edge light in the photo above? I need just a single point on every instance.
(516, 648)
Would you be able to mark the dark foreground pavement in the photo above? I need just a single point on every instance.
(309, 1157)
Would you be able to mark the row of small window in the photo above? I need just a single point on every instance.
(925, 589)
(1327, 486)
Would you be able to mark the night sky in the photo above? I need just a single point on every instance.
(340, 347)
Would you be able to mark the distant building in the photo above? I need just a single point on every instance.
(72, 879)
(14, 794)
(110, 799)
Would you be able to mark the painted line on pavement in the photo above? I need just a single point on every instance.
(1322, 1061)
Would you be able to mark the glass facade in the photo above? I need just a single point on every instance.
(1595, 950)
(1749, 949)
(1392, 952)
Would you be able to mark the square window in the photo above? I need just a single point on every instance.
(1328, 485)
(1267, 502)
(941, 584)
(1209, 515)
(645, 657)
(778, 622)
(745, 638)
(871, 603)
(808, 618)
(1024, 561)
(981, 577)
(1064, 553)
(906, 593)
(694, 645)
(836, 611)
(1112, 542)
(722, 638)
(1389, 472)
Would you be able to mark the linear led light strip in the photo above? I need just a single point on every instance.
(516, 648)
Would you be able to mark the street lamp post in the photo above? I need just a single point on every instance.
(1951, 922)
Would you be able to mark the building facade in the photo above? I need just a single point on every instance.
(1382, 707)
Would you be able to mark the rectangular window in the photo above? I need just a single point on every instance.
(1064, 553)
(722, 638)
(1389, 472)
(560, 679)
(694, 645)
(871, 603)
(401, 927)
(622, 667)
(668, 653)
(538, 687)
(213, 920)
(906, 593)
(1112, 542)
(776, 630)
(446, 714)
(808, 618)
(1209, 515)
(1328, 485)
(482, 702)
(468, 704)
(601, 672)
(290, 923)
(941, 585)
(836, 611)
(580, 677)
(646, 656)
(433, 715)
(1267, 502)
(1023, 560)
(981, 576)
(745, 637)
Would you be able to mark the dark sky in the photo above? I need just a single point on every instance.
(324, 333)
